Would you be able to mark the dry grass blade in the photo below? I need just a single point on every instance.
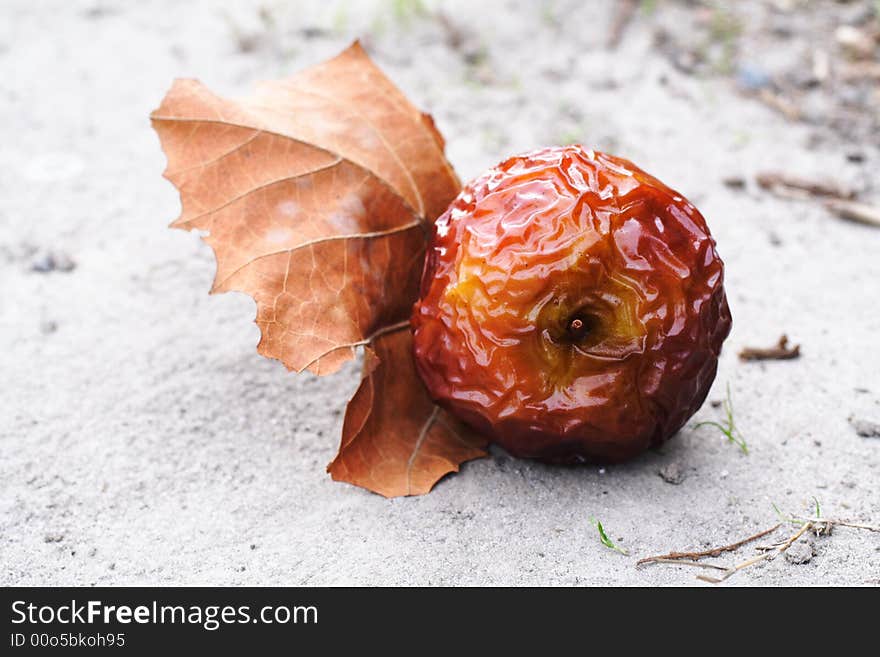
(774, 180)
(833, 522)
(859, 212)
(623, 15)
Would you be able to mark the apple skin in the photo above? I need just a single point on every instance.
(572, 307)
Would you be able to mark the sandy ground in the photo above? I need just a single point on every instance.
(143, 440)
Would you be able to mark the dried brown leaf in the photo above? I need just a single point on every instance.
(394, 453)
(316, 194)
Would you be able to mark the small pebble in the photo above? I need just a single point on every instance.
(865, 428)
(856, 42)
(672, 473)
(800, 553)
(781, 29)
(752, 78)
(49, 261)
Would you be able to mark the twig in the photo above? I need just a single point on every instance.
(779, 352)
(858, 212)
(817, 524)
(774, 180)
(860, 71)
(767, 556)
(777, 102)
(714, 552)
(685, 562)
(455, 36)
(626, 9)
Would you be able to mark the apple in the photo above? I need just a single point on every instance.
(572, 307)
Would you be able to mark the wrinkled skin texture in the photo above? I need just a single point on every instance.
(572, 307)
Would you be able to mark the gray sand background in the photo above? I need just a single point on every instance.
(144, 441)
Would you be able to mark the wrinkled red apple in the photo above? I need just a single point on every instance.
(572, 307)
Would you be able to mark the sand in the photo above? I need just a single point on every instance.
(144, 441)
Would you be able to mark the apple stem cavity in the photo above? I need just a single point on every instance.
(577, 329)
